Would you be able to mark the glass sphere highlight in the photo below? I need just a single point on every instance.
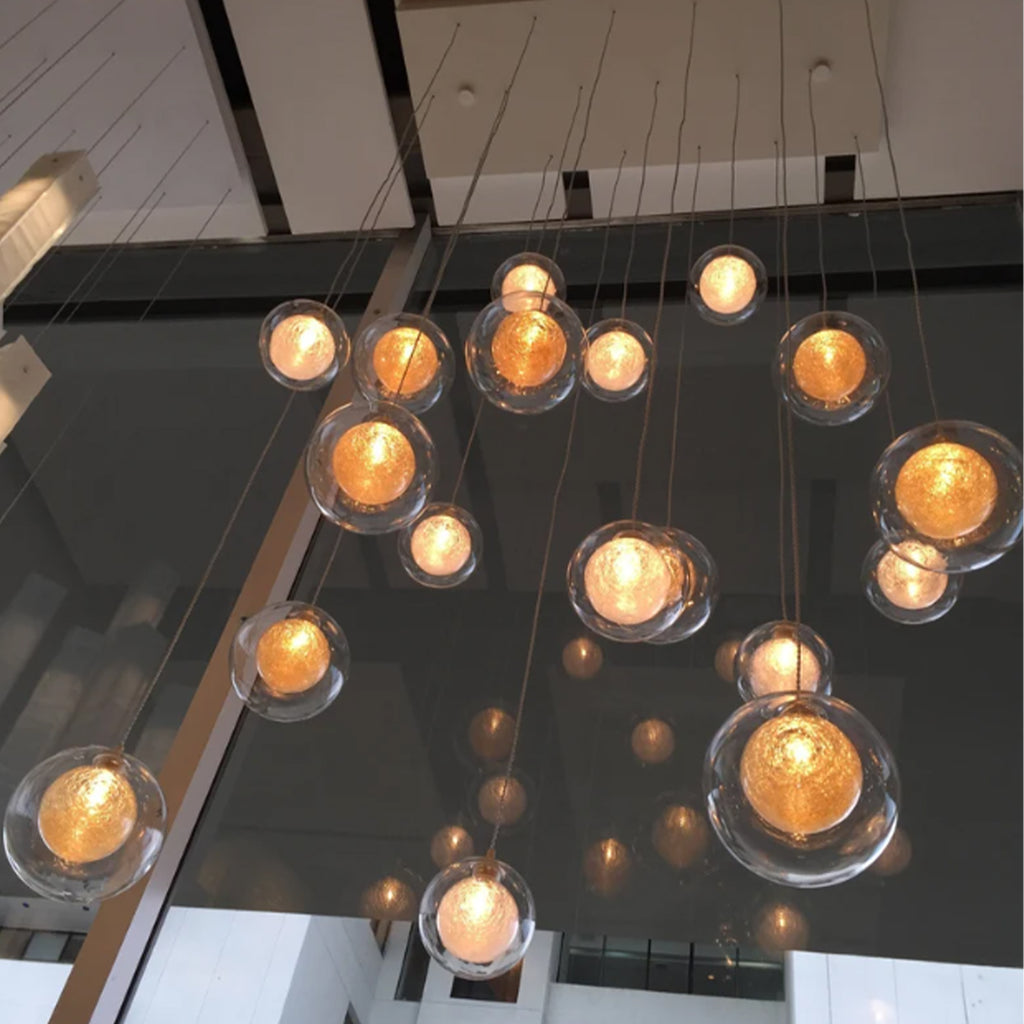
(477, 918)
(450, 844)
(370, 469)
(698, 569)
(525, 360)
(954, 487)
(624, 584)
(781, 657)
(680, 835)
(830, 367)
(303, 344)
(653, 741)
(801, 791)
(617, 362)
(728, 283)
(442, 547)
(903, 591)
(405, 360)
(582, 658)
(289, 661)
(607, 864)
(84, 824)
(490, 734)
(527, 281)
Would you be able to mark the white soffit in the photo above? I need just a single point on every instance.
(68, 102)
(320, 101)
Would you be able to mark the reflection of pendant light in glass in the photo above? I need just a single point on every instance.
(582, 658)
(607, 864)
(526, 281)
(501, 798)
(442, 547)
(699, 569)
(450, 844)
(680, 835)
(779, 927)
(84, 824)
(490, 733)
(617, 361)
(904, 591)
(895, 858)
(653, 741)
(766, 661)
(388, 899)
(725, 658)
(303, 344)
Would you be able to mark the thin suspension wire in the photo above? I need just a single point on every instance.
(819, 199)
(469, 444)
(732, 162)
(561, 167)
(536, 203)
(639, 200)
(604, 242)
(903, 215)
(35, 17)
(781, 327)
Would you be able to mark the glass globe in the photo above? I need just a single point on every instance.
(490, 733)
(624, 584)
(582, 658)
(653, 741)
(801, 791)
(696, 565)
(490, 805)
(903, 591)
(371, 469)
(954, 487)
(779, 927)
(289, 661)
(525, 360)
(727, 284)
(84, 824)
(680, 835)
(403, 359)
(607, 865)
(725, 658)
(303, 344)
(527, 281)
(450, 844)
(477, 918)
(767, 661)
(617, 362)
(830, 367)
(442, 547)
(388, 899)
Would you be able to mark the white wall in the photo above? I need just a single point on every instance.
(29, 991)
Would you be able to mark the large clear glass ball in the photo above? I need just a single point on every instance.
(954, 487)
(527, 281)
(477, 918)
(617, 363)
(371, 468)
(625, 582)
(525, 360)
(84, 824)
(303, 344)
(901, 589)
(442, 548)
(830, 367)
(783, 657)
(801, 791)
(727, 284)
(289, 661)
(700, 569)
(403, 359)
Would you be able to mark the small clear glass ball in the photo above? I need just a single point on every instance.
(477, 918)
(442, 548)
(782, 657)
(403, 359)
(289, 661)
(525, 360)
(303, 344)
(830, 367)
(701, 595)
(954, 487)
(527, 281)
(371, 468)
(901, 589)
(617, 362)
(625, 583)
(728, 283)
(801, 791)
(84, 824)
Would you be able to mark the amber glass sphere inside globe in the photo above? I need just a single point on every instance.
(301, 347)
(652, 741)
(405, 360)
(528, 348)
(292, 655)
(615, 361)
(477, 919)
(829, 365)
(627, 580)
(526, 286)
(727, 284)
(908, 585)
(373, 463)
(773, 667)
(440, 545)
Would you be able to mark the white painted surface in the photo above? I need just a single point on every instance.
(29, 991)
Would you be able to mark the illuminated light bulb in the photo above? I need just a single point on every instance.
(477, 919)
(531, 279)
(292, 656)
(440, 545)
(773, 667)
(488, 801)
(680, 836)
(829, 365)
(87, 813)
(627, 580)
(615, 361)
(727, 284)
(606, 866)
(373, 463)
(392, 355)
(652, 741)
(529, 348)
(582, 658)
(801, 774)
(301, 347)
(907, 585)
(389, 899)
(780, 927)
(895, 858)
(946, 490)
(450, 844)
(490, 734)
(725, 659)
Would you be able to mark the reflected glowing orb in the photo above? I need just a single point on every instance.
(652, 741)
(680, 836)
(829, 365)
(582, 658)
(725, 659)
(373, 463)
(529, 348)
(627, 580)
(773, 666)
(895, 858)
(392, 365)
(440, 545)
(301, 347)
(727, 284)
(527, 277)
(780, 927)
(389, 899)
(907, 585)
(490, 734)
(477, 919)
(489, 802)
(615, 361)
(292, 656)
(450, 844)
(606, 866)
